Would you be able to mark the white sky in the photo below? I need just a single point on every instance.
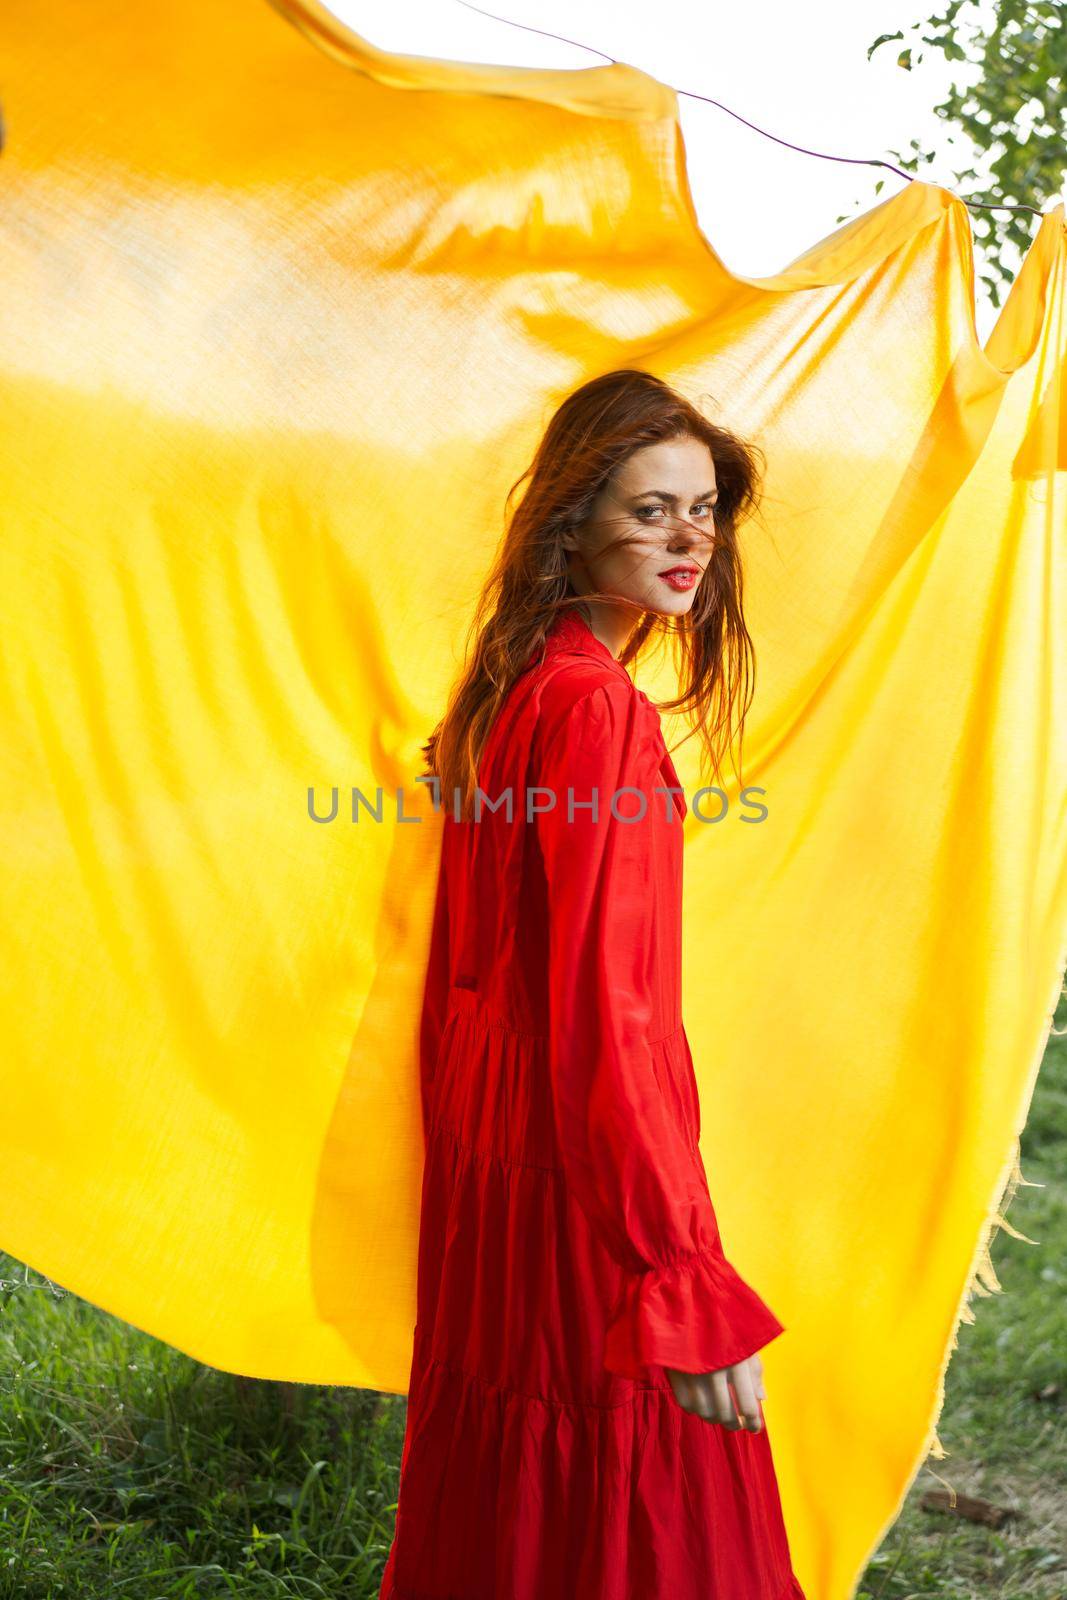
(800, 71)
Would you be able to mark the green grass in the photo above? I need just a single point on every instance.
(127, 1469)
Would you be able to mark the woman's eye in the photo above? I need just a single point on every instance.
(706, 504)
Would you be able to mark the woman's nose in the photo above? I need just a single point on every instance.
(685, 534)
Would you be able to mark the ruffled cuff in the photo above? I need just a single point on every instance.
(696, 1314)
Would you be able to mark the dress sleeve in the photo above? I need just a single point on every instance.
(626, 1158)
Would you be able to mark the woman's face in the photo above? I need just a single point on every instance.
(663, 499)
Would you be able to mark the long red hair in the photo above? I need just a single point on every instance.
(591, 434)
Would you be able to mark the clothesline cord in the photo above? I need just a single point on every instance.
(822, 155)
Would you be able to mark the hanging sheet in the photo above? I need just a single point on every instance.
(283, 317)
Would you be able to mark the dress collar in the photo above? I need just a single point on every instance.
(571, 633)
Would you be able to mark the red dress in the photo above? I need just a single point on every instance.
(568, 1246)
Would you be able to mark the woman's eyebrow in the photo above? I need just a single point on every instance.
(661, 494)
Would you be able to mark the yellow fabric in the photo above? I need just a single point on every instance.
(283, 318)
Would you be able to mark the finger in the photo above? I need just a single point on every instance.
(724, 1405)
(679, 1382)
(745, 1395)
(682, 1384)
(703, 1399)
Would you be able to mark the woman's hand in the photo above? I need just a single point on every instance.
(708, 1394)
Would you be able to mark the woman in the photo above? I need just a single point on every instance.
(584, 1418)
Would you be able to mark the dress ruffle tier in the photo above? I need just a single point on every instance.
(531, 1468)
